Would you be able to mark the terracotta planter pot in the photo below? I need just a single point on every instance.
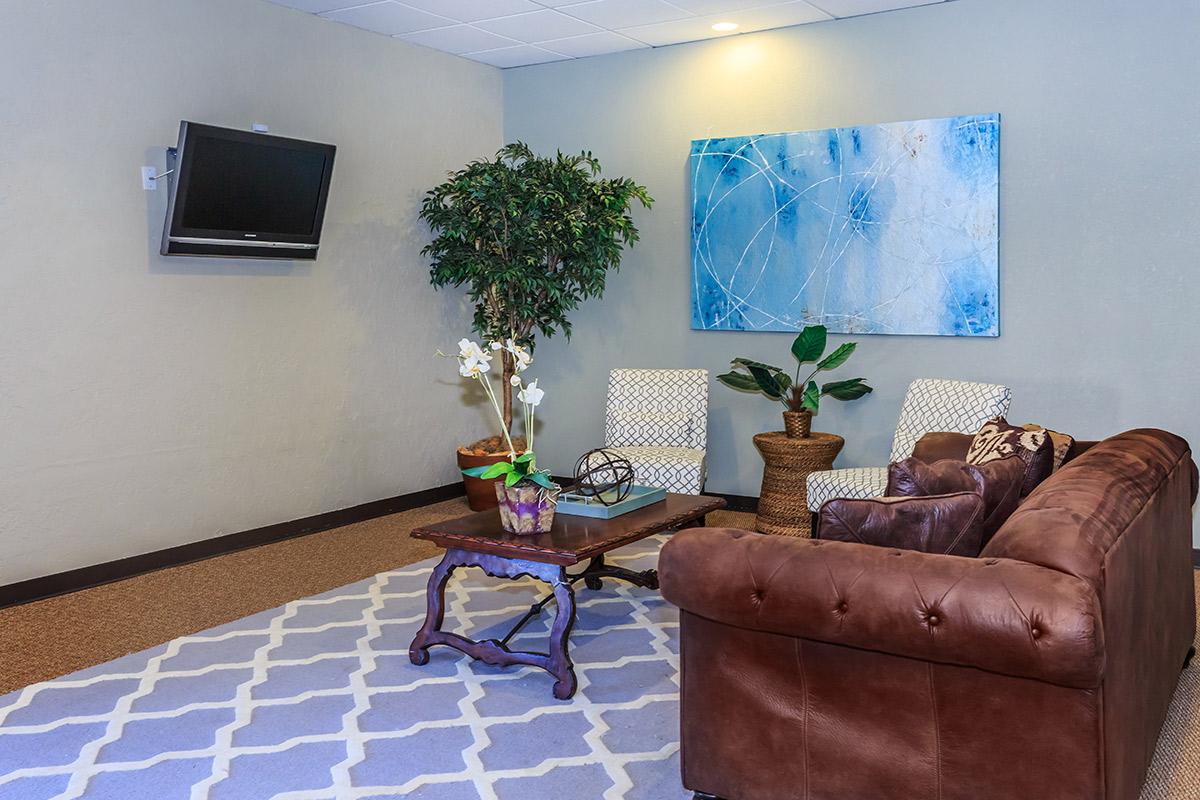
(481, 494)
(798, 424)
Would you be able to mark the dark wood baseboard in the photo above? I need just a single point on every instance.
(86, 577)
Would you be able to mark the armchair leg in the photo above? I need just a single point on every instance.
(1187, 661)
(814, 527)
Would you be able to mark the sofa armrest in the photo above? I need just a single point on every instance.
(998, 615)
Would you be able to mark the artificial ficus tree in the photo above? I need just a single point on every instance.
(530, 238)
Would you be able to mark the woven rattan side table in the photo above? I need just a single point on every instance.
(783, 501)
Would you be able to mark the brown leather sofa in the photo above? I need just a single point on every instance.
(1041, 670)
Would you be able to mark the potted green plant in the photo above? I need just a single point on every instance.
(529, 238)
(800, 398)
(526, 495)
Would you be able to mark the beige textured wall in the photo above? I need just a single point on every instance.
(146, 402)
(1099, 202)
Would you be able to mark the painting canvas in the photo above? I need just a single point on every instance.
(888, 229)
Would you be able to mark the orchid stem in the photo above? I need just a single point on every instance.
(487, 387)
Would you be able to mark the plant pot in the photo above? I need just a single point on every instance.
(526, 508)
(480, 494)
(798, 424)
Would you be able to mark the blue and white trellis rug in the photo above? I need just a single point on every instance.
(317, 699)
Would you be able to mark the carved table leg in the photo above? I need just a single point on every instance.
(493, 651)
(435, 610)
(560, 635)
(597, 569)
(593, 582)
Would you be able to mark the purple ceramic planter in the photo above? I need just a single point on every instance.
(526, 509)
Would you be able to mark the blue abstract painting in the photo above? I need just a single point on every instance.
(888, 228)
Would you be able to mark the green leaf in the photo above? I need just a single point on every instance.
(784, 380)
(541, 479)
(513, 478)
(846, 390)
(837, 357)
(810, 344)
(528, 456)
(748, 363)
(766, 381)
(811, 401)
(736, 380)
(491, 471)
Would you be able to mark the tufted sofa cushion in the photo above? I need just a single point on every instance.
(993, 614)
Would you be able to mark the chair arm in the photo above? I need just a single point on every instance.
(999, 615)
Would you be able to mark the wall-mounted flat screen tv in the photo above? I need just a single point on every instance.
(238, 194)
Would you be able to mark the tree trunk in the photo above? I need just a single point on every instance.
(507, 370)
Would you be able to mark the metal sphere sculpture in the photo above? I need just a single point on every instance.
(604, 475)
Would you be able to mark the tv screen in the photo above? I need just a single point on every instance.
(246, 194)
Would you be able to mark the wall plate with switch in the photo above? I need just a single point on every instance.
(149, 179)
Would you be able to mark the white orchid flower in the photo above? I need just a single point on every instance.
(521, 357)
(531, 395)
(498, 345)
(473, 366)
(515, 380)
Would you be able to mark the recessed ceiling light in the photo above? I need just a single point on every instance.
(725, 27)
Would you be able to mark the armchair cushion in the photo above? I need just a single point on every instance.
(951, 524)
(998, 482)
(650, 429)
(999, 615)
(676, 469)
(858, 482)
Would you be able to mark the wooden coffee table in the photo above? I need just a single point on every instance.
(477, 540)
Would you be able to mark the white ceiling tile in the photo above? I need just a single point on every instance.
(854, 8)
(458, 39)
(625, 13)
(538, 26)
(665, 33)
(315, 6)
(592, 44)
(777, 16)
(472, 10)
(518, 56)
(749, 21)
(721, 6)
(388, 17)
(510, 33)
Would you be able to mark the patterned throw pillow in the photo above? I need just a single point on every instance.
(1062, 442)
(998, 482)
(650, 429)
(997, 439)
(947, 524)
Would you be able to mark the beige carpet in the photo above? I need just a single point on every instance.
(53, 637)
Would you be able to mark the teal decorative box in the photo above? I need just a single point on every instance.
(583, 506)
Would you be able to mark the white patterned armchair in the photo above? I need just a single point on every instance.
(929, 405)
(658, 419)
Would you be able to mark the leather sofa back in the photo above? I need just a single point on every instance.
(1072, 520)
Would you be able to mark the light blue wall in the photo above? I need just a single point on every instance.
(1100, 209)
